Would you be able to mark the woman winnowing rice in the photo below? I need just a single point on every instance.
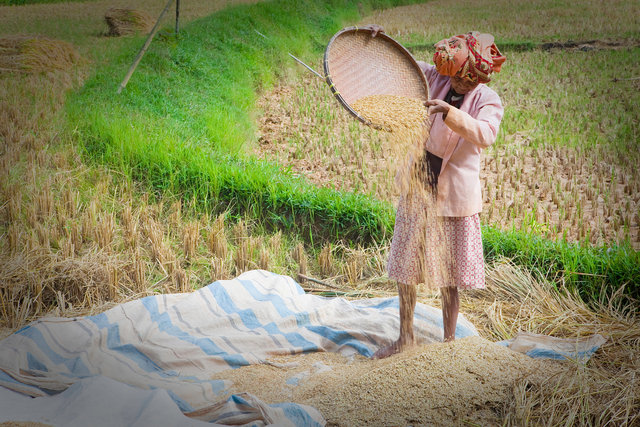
(465, 116)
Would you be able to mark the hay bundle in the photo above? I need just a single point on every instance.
(124, 22)
(36, 54)
(32, 283)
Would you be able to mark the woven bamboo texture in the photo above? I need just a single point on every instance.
(358, 65)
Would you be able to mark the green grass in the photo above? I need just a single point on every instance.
(203, 87)
(593, 271)
(243, 187)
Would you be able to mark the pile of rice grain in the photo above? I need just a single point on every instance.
(406, 122)
(467, 380)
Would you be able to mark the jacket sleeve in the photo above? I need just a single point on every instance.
(483, 129)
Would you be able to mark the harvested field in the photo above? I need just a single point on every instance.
(537, 19)
(80, 238)
(82, 23)
(577, 193)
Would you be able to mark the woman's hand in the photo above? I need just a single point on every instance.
(437, 106)
(375, 29)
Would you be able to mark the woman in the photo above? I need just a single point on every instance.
(465, 115)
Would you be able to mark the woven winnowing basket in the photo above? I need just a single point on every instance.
(358, 65)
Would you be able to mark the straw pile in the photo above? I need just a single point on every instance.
(467, 380)
(23, 424)
(124, 22)
(36, 54)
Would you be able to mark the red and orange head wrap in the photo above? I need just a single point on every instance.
(473, 56)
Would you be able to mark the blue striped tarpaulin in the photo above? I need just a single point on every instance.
(178, 342)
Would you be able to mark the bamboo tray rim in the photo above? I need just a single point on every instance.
(392, 42)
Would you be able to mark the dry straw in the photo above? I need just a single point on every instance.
(217, 239)
(23, 423)
(299, 255)
(124, 22)
(36, 54)
(241, 256)
(218, 269)
(327, 261)
(190, 239)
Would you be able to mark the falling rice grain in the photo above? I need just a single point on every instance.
(407, 121)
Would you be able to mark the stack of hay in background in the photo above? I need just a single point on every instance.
(34, 54)
(124, 22)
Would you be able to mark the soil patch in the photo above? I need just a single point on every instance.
(586, 45)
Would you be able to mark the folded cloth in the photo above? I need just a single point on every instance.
(548, 347)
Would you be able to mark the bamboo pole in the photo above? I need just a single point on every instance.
(177, 17)
(320, 282)
(133, 66)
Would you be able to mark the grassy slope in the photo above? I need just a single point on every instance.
(180, 125)
(192, 101)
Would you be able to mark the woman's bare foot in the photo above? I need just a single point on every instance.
(387, 351)
(397, 347)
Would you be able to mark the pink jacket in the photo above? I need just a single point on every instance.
(459, 140)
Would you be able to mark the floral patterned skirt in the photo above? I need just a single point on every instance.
(437, 251)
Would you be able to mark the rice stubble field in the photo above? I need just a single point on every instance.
(556, 179)
(80, 238)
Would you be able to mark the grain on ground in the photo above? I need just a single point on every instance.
(466, 380)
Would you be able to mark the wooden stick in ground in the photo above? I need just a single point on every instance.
(320, 282)
(177, 17)
(133, 66)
